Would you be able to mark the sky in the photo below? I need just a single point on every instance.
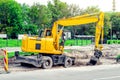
(104, 5)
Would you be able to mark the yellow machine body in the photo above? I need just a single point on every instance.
(49, 42)
(44, 45)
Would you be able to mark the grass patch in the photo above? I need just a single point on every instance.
(12, 54)
(1, 57)
(69, 51)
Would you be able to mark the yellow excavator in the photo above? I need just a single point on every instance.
(49, 48)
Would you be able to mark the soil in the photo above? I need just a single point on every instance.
(84, 53)
(81, 53)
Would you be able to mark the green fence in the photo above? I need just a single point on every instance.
(10, 43)
(77, 42)
(113, 41)
(71, 42)
(17, 43)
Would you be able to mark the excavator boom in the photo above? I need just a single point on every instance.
(97, 18)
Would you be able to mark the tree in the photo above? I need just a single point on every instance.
(10, 17)
(107, 25)
(90, 9)
(74, 10)
(40, 15)
(27, 26)
(87, 29)
(59, 9)
(115, 22)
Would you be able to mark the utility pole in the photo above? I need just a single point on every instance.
(114, 6)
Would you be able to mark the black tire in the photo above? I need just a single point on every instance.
(117, 60)
(23, 64)
(47, 62)
(68, 62)
(16, 53)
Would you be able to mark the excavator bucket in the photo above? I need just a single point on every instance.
(94, 59)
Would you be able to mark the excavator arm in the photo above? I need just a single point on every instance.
(97, 18)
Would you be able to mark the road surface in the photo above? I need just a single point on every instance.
(102, 72)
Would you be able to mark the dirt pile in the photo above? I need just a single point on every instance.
(84, 53)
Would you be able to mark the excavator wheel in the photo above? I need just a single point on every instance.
(22, 64)
(68, 62)
(47, 62)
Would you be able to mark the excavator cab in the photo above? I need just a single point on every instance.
(44, 33)
(43, 43)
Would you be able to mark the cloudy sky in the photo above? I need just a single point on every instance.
(104, 5)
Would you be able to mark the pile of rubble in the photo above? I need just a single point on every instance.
(84, 53)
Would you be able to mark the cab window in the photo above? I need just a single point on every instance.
(48, 32)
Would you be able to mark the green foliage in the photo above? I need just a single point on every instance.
(74, 10)
(12, 54)
(10, 17)
(58, 9)
(107, 24)
(115, 20)
(91, 9)
(87, 29)
(30, 28)
(118, 56)
(21, 19)
(40, 15)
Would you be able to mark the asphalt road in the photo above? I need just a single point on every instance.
(102, 72)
